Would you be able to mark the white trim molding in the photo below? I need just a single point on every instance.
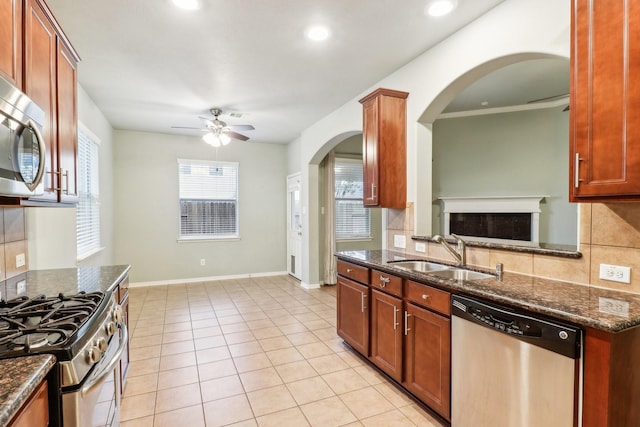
(499, 204)
(205, 279)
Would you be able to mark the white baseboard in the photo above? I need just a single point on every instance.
(310, 286)
(205, 279)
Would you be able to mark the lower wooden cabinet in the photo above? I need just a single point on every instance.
(353, 314)
(427, 358)
(35, 412)
(386, 333)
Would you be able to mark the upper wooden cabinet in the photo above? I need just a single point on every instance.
(385, 148)
(50, 79)
(605, 101)
(11, 41)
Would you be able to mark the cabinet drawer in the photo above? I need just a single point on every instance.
(386, 282)
(429, 297)
(352, 271)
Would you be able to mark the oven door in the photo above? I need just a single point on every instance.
(96, 401)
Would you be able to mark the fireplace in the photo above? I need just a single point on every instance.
(505, 218)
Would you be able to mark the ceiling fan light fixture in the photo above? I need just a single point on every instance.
(224, 139)
(187, 4)
(317, 33)
(212, 139)
(440, 7)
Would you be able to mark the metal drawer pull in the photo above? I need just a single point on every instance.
(349, 270)
(384, 280)
(577, 171)
(395, 318)
(425, 296)
(406, 322)
(364, 307)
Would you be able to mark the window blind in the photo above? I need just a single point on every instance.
(353, 220)
(208, 194)
(88, 208)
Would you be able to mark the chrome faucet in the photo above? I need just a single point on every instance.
(460, 253)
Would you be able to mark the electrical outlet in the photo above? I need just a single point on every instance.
(421, 247)
(613, 306)
(21, 287)
(20, 261)
(615, 273)
(203, 261)
(399, 241)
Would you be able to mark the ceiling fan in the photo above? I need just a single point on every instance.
(218, 132)
(551, 98)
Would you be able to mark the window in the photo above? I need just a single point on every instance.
(208, 199)
(88, 209)
(353, 220)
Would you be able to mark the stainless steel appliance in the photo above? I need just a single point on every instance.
(22, 149)
(87, 335)
(512, 369)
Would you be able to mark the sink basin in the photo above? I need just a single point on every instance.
(420, 266)
(460, 274)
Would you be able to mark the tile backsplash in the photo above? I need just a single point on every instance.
(13, 251)
(608, 234)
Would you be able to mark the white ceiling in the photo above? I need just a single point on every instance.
(149, 66)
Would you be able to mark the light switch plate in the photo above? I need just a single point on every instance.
(20, 260)
(615, 273)
(399, 241)
(421, 247)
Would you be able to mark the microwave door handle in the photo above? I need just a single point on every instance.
(42, 148)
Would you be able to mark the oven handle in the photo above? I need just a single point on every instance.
(107, 371)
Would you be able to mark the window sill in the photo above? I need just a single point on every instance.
(89, 254)
(355, 239)
(207, 239)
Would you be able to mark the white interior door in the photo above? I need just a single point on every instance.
(294, 226)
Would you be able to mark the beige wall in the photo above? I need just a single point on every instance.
(147, 209)
(608, 233)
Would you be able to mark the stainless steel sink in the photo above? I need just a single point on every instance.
(461, 274)
(420, 266)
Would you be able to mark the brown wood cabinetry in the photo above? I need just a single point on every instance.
(428, 358)
(353, 314)
(35, 412)
(384, 142)
(11, 41)
(386, 333)
(605, 101)
(50, 80)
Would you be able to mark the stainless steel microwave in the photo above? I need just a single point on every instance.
(22, 149)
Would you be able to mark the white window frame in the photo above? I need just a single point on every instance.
(351, 237)
(88, 242)
(209, 237)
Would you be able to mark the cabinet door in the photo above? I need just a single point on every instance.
(428, 358)
(386, 333)
(605, 100)
(40, 85)
(353, 314)
(11, 41)
(66, 84)
(370, 152)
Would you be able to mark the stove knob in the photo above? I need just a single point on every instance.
(116, 315)
(93, 355)
(101, 343)
(110, 328)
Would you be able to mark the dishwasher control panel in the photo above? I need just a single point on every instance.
(552, 335)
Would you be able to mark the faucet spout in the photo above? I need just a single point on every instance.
(459, 254)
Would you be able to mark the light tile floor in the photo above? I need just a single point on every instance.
(251, 352)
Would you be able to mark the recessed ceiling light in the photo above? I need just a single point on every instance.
(440, 7)
(317, 33)
(187, 4)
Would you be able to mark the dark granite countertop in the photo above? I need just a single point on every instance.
(69, 280)
(19, 377)
(565, 251)
(583, 305)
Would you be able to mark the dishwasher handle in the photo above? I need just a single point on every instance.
(555, 336)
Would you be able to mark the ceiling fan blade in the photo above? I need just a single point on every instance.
(186, 127)
(548, 98)
(240, 127)
(235, 135)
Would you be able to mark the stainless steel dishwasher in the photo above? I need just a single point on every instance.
(510, 369)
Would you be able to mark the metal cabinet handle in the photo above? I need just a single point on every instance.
(395, 318)
(425, 296)
(384, 280)
(373, 193)
(349, 270)
(406, 322)
(364, 306)
(65, 174)
(577, 179)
